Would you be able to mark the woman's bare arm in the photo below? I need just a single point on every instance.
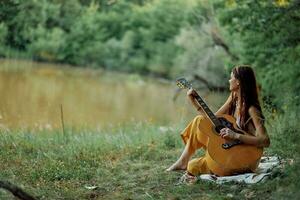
(261, 139)
(225, 108)
(222, 110)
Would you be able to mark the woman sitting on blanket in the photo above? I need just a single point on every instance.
(243, 104)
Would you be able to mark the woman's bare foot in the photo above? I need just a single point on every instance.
(176, 166)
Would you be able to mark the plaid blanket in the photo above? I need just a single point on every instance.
(264, 170)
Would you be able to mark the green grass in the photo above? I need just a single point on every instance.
(128, 162)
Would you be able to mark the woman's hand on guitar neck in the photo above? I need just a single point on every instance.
(191, 93)
(227, 133)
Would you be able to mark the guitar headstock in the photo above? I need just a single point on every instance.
(183, 83)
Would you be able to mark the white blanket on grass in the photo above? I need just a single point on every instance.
(264, 170)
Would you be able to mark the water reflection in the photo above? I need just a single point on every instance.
(32, 93)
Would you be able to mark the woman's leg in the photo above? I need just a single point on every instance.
(181, 163)
(194, 139)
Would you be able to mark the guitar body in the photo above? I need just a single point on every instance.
(227, 161)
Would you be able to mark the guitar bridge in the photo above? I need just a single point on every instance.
(228, 145)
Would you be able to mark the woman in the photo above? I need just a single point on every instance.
(242, 104)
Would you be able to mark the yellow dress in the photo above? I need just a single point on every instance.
(193, 136)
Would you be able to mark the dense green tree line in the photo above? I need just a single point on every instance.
(134, 36)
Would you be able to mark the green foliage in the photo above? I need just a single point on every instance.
(132, 36)
(268, 31)
(3, 34)
(84, 38)
(200, 55)
(284, 128)
(47, 44)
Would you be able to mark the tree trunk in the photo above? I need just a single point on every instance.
(16, 191)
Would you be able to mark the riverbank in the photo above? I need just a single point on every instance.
(128, 162)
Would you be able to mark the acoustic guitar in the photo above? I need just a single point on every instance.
(224, 157)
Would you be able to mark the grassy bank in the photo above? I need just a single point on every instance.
(128, 162)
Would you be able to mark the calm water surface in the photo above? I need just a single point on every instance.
(32, 94)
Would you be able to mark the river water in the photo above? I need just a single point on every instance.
(38, 96)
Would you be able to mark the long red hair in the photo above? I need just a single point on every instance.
(248, 93)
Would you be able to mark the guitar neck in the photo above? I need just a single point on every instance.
(207, 111)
